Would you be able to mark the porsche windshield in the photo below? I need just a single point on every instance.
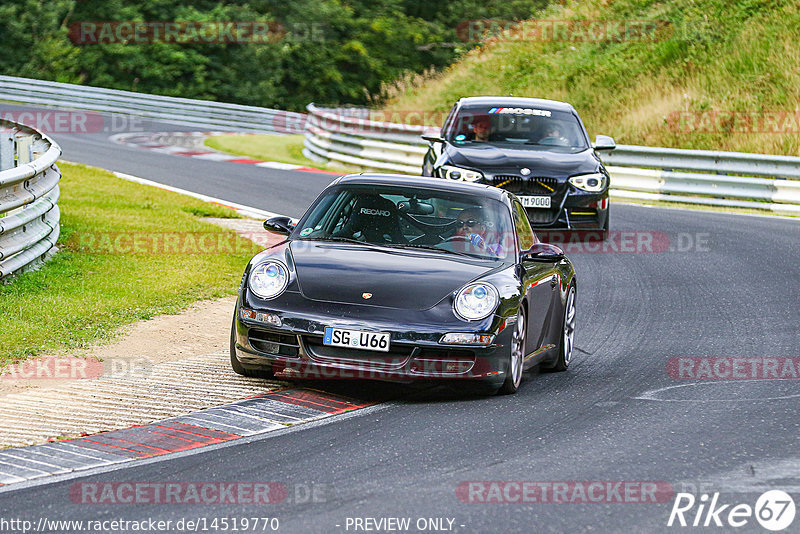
(522, 126)
(411, 218)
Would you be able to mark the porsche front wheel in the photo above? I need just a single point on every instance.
(237, 366)
(567, 334)
(516, 356)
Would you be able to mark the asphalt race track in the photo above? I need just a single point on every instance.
(716, 286)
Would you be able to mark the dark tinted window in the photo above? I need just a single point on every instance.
(524, 126)
(407, 217)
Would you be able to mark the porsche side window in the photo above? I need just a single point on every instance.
(524, 231)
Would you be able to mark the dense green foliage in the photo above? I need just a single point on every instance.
(330, 51)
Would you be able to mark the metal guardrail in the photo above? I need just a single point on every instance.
(197, 113)
(360, 142)
(709, 177)
(29, 214)
(729, 179)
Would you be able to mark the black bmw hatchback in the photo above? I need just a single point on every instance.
(537, 149)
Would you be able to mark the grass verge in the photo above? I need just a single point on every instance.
(128, 252)
(280, 148)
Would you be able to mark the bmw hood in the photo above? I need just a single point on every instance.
(493, 159)
(393, 278)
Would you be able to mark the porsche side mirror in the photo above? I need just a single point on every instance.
(279, 225)
(544, 252)
(604, 142)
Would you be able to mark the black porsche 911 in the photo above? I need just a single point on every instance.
(537, 149)
(401, 278)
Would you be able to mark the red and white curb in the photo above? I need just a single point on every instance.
(253, 416)
(152, 141)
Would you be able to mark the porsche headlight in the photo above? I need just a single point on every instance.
(269, 279)
(457, 173)
(592, 183)
(476, 301)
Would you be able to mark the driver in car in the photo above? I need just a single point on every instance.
(471, 226)
(482, 128)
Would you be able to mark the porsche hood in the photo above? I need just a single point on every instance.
(392, 278)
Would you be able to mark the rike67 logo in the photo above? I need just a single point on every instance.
(774, 510)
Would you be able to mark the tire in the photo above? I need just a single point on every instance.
(566, 345)
(237, 366)
(516, 356)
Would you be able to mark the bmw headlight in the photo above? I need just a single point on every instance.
(592, 183)
(269, 279)
(476, 301)
(457, 173)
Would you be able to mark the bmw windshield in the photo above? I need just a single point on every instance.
(411, 218)
(528, 127)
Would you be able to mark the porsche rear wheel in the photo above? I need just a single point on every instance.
(516, 357)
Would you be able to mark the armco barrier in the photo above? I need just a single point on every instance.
(360, 142)
(204, 114)
(714, 178)
(709, 177)
(29, 215)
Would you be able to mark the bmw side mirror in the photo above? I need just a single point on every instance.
(279, 225)
(433, 138)
(544, 252)
(604, 142)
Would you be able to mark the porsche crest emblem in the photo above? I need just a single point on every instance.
(366, 295)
